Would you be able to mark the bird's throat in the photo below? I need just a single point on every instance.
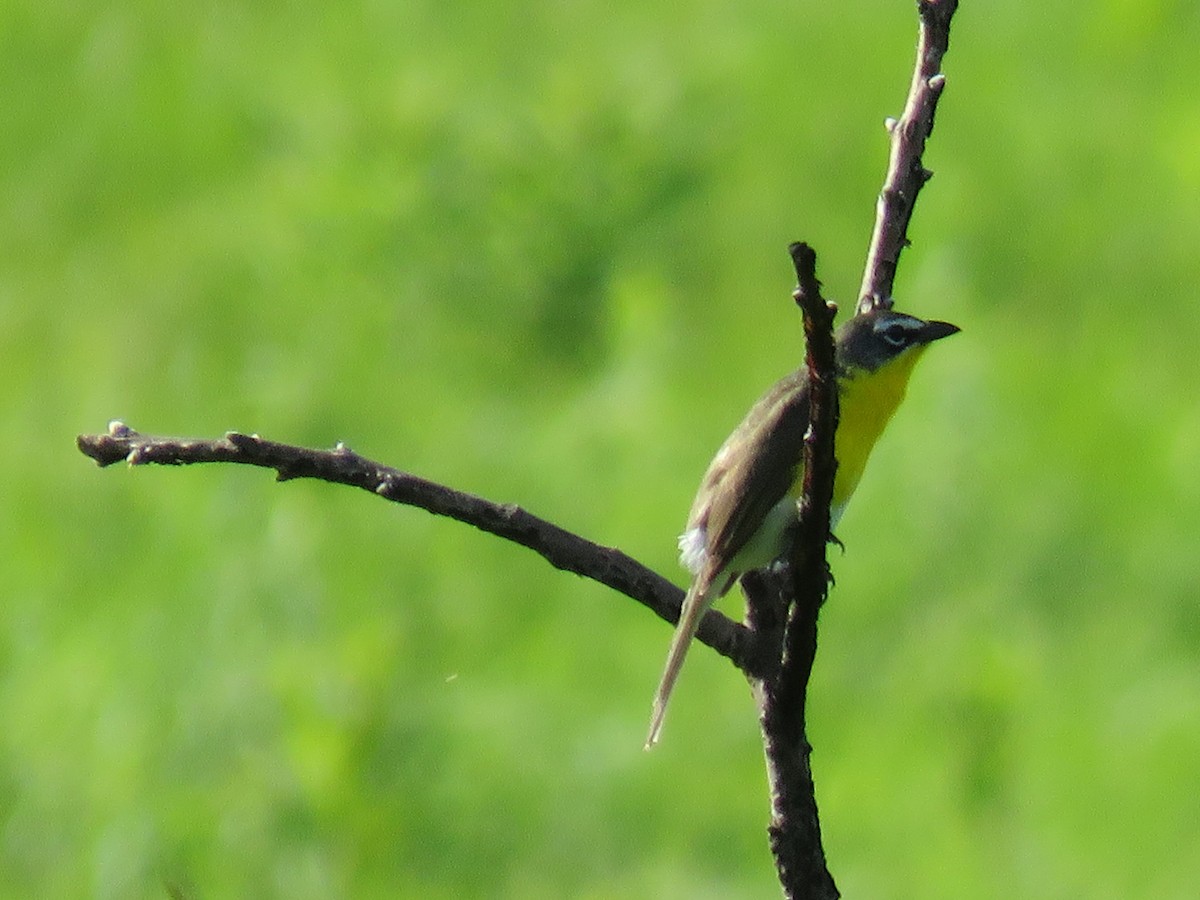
(866, 403)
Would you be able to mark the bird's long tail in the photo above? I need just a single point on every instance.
(700, 597)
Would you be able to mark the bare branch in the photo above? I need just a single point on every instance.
(906, 173)
(778, 647)
(561, 548)
(795, 830)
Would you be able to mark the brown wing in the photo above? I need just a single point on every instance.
(743, 484)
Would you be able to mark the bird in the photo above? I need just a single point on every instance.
(750, 495)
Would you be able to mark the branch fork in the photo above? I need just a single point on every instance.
(777, 646)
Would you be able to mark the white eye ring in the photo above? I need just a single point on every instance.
(895, 334)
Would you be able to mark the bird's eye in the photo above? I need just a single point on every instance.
(896, 335)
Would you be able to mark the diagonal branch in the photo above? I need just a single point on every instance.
(561, 548)
(906, 173)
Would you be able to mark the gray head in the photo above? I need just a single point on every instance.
(870, 340)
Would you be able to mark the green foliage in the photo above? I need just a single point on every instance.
(538, 251)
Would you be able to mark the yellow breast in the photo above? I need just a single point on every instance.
(866, 402)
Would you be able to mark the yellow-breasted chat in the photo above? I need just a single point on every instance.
(749, 496)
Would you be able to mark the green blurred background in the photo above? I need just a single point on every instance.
(537, 251)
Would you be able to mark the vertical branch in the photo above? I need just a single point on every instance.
(906, 173)
(795, 831)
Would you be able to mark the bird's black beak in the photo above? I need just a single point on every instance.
(935, 331)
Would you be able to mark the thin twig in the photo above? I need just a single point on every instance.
(561, 548)
(795, 830)
(906, 173)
